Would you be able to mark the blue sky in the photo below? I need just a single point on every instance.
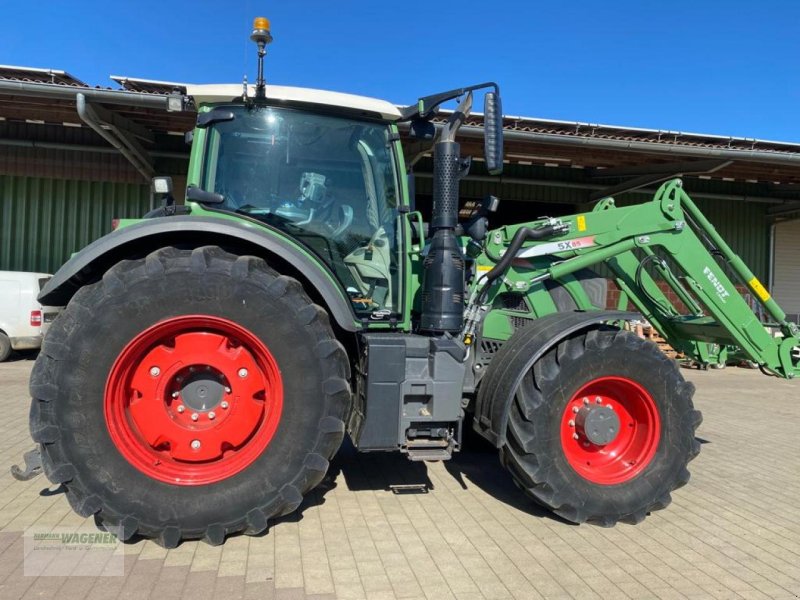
(703, 66)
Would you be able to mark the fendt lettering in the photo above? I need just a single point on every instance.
(722, 293)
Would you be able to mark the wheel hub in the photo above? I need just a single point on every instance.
(610, 430)
(202, 392)
(598, 424)
(193, 400)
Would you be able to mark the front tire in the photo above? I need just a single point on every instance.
(190, 394)
(5, 347)
(601, 429)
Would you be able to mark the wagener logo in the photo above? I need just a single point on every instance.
(722, 293)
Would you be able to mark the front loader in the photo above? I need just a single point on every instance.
(213, 355)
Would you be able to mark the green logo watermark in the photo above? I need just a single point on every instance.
(80, 551)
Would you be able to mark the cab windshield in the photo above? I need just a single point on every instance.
(329, 182)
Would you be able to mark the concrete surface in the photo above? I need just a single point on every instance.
(733, 532)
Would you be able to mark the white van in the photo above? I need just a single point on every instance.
(23, 321)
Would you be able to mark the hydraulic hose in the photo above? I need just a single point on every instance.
(523, 234)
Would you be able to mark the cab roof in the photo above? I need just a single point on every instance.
(226, 92)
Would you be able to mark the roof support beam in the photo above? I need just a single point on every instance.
(596, 186)
(660, 173)
(784, 209)
(128, 146)
(693, 166)
(123, 125)
(80, 148)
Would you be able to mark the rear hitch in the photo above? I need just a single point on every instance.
(33, 466)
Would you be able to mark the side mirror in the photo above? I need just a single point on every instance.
(420, 129)
(161, 188)
(493, 133)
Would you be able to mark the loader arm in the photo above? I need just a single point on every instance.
(666, 239)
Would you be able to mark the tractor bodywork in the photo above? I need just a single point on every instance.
(299, 254)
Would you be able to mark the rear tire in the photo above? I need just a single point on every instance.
(90, 382)
(5, 347)
(572, 471)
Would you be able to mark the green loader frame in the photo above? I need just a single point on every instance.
(671, 232)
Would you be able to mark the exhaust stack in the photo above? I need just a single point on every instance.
(443, 267)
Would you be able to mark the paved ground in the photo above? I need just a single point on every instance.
(733, 532)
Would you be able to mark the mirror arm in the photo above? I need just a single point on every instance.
(426, 106)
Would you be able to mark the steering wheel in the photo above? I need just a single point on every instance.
(335, 220)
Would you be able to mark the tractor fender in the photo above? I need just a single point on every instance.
(139, 239)
(515, 358)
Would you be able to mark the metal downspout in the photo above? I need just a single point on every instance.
(771, 266)
(89, 117)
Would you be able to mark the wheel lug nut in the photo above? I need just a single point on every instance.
(191, 369)
(575, 409)
(181, 408)
(175, 394)
(223, 404)
(211, 415)
(598, 400)
(571, 423)
(242, 373)
(195, 444)
(575, 436)
(586, 401)
(195, 416)
(155, 371)
(227, 390)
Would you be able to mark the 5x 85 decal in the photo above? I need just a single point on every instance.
(556, 247)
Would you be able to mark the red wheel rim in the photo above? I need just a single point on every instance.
(193, 400)
(635, 442)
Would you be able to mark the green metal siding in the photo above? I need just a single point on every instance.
(43, 220)
(744, 226)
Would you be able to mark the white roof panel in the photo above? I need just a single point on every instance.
(211, 93)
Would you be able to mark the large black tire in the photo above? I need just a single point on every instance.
(5, 347)
(536, 454)
(67, 385)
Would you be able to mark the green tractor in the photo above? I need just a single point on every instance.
(213, 355)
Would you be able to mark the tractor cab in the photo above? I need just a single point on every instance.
(315, 167)
(326, 169)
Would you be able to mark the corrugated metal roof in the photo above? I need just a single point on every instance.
(511, 123)
(634, 134)
(566, 143)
